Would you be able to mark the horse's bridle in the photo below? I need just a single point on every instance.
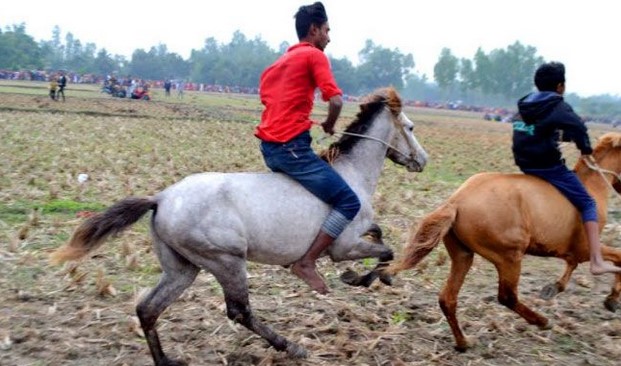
(399, 126)
(591, 164)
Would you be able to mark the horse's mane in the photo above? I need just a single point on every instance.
(606, 142)
(371, 105)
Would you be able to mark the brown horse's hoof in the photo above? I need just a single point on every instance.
(462, 348)
(545, 326)
(611, 304)
(549, 291)
(463, 344)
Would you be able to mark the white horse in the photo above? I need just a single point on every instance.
(218, 221)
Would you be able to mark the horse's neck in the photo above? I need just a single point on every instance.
(363, 165)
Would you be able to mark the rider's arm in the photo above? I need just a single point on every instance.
(334, 110)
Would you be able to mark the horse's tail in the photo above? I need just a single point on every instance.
(92, 232)
(429, 234)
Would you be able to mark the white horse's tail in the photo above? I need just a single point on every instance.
(96, 229)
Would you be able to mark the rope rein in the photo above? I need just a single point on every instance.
(371, 138)
(341, 133)
(591, 164)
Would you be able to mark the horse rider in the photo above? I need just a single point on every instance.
(535, 148)
(287, 90)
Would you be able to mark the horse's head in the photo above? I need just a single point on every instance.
(404, 148)
(381, 119)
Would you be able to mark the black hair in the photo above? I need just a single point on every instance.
(308, 15)
(549, 75)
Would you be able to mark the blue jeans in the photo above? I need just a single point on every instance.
(296, 159)
(567, 182)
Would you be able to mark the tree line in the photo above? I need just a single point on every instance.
(496, 78)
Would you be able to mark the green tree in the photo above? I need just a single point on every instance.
(445, 70)
(514, 69)
(483, 77)
(18, 50)
(239, 62)
(345, 75)
(467, 80)
(382, 67)
(157, 64)
(104, 63)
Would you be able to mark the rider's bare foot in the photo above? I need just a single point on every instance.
(309, 274)
(604, 267)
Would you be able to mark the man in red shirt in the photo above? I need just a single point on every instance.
(287, 90)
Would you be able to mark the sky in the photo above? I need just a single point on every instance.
(583, 35)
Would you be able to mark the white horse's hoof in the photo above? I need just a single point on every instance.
(296, 351)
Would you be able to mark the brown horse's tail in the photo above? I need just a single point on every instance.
(92, 232)
(429, 234)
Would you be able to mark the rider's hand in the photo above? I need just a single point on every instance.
(328, 128)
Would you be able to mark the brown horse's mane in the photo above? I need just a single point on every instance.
(371, 105)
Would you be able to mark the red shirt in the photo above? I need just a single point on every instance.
(287, 90)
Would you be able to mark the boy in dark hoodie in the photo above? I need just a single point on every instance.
(544, 115)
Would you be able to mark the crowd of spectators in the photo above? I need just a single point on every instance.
(490, 114)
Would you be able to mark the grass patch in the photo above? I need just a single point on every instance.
(69, 206)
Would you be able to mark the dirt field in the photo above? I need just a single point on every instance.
(84, 313)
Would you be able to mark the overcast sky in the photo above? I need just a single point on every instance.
(583, 35)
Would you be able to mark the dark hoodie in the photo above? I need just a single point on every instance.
(536, 136)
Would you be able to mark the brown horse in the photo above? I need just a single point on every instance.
(502, 217)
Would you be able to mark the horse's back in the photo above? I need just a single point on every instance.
(259, 215)
(516, 209)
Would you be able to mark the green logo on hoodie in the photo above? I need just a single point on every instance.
(523, 127)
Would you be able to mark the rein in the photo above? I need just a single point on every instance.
(371, 138)
(591, 164)
(341, 133)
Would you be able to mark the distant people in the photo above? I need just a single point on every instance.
(141, 92)
(167, 86)
(62, 83)
(53, 87)
(545, 114)
(133, 84)
(180, 88)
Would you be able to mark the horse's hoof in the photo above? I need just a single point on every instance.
(462, 347)
(375, 231)
(611, 304)
(295, 351)
(169, 362)
(545, 326)
(350, 277)
(386, 279)
(549, 291)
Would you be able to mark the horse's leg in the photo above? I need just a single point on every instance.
(365, 249)
(553, 289)
(178, 275)
(230, 271)
(375, 232)
(508, 278)
(612, 300)
(461, 261)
